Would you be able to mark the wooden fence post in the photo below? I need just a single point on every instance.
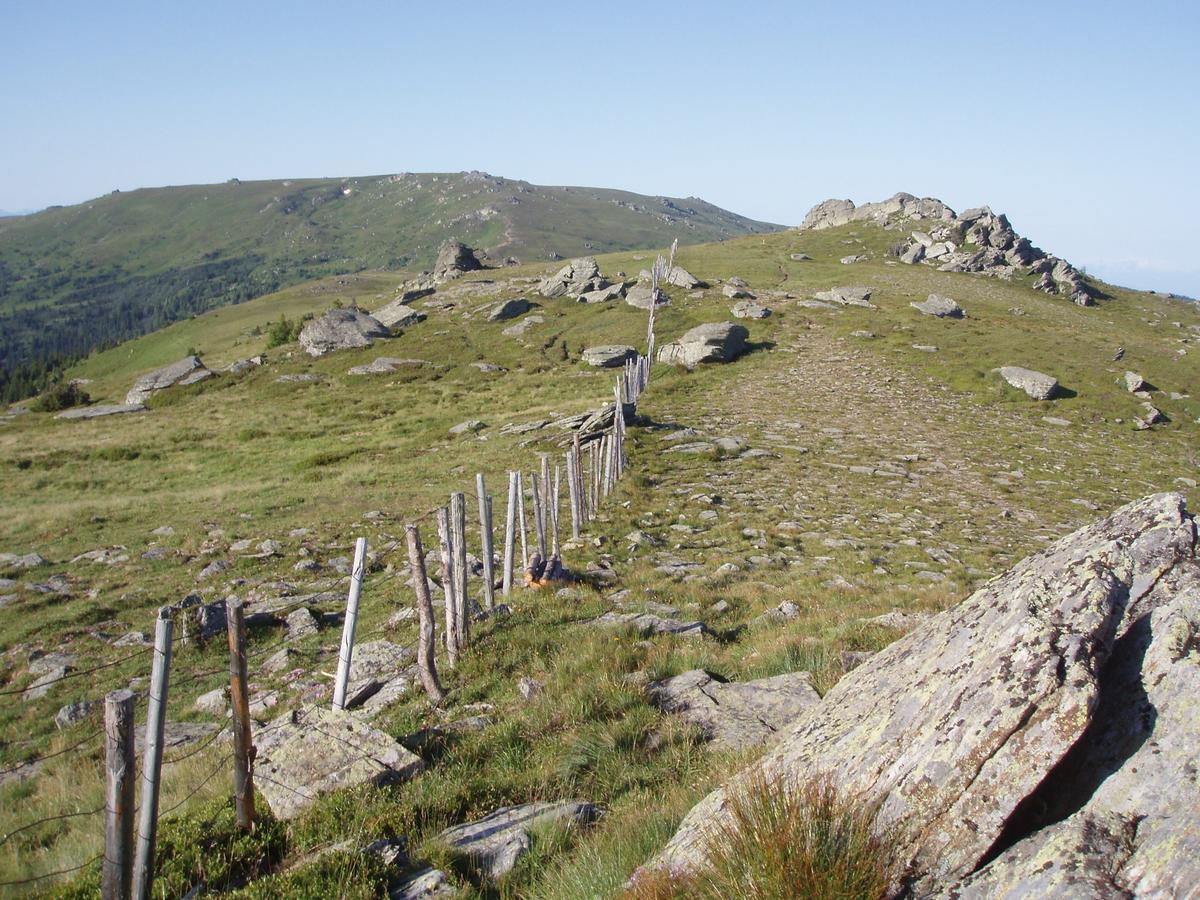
(573, 493)
(539, 514)
(521, 520)
(485, 534)
(117, 877)
(143, 869)
(449, 587)
(458, 528)
(555, 505)
(426, 666)
(510, 526)
(239, 702)
(346, 652)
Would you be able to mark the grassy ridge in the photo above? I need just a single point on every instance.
(982, 480)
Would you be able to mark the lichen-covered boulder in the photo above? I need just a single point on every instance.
(1018, 702)
(495, 842)
(1037, 385)
(609, 356)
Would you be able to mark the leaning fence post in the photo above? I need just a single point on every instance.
(449, 588)
(485, 534)
(239, 702)
(143, 869)
(117, 876)
(510, 524)
(426, 667)
(346, 652)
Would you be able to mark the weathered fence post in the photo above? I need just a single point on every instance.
(117, 877)
(521, 519)
(606, 443)
(573, 493)
(554, 510)
(426, 666)
(510, 526)
(539, 513)
(346, 652)
(458, 528)
(449, 588)
(143, 869)
(485, 534)
(239, 702)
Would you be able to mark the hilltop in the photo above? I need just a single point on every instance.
(80, 277)
(862, 468)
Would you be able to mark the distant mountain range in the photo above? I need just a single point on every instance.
(76, 278)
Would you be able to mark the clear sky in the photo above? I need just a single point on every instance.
(1080, 120)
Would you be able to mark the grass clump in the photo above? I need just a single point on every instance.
(784, 841)
(63, 395)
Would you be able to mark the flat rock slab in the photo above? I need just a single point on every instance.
(385, 365)
(951, 728)
(609, 356)
(736, 715)
(96, 412)
(397, 315)
(647, 623)
(495, 842)
(309, 753)
(422, 884)
(847, 296)
(1037, 385)
(186, 371)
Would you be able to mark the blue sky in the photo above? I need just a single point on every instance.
(1080, 120)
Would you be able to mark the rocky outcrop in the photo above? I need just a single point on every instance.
(385, 365)
(579, 276)
(749, 309)
(96, 412)
(508, 309)
(643, 296)
(609, 356)
(897, 208)
(494, 843)
(397, 315)
(188, 370)
(454, 259)
(308, 753)
(1038, 738)
(682, 278)
(736, 715)
(713, 342)
(1037, 385)
(341, 329)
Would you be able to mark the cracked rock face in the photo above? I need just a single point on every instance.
(736, 715)
(1032, 680)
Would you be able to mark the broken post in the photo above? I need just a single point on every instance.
(239, 702)
(485, 535)
(446, 544)
(426, 666)
(117, 876)
(143, 869)
(510, 527)
(458, 531)
(346, 652)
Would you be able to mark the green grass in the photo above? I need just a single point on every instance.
(971, 473)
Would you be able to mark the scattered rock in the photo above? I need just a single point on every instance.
(216, 567)
(847, 296)
(639, 296)
(215, 702)
(736, 715)
(529, 687)
(188, 370)
(471, 426)
(76, 712)
(385, 365)
(12, 562)
(298, 378)
(942, 307)
(1037, 385)
(523, 326)
(578, 276)
(421, 885)
(748, 309)
(646, 623)
(1134, 382)
(95, 412)
(609, 356)
(454, 259)
(397, 315)
(509, 309)
(603, 295)
(300, 623)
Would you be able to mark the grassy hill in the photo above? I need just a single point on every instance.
(890, 477)
(80, 277)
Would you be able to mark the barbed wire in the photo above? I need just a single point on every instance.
(55, 818)
(78, 673)
(44, 757)
(207, 778)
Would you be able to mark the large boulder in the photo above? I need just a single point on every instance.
(341, 329)
(681, 277)
(1046, 719)
(509, 309)
(453, 259)
(305, 754)
(186, 371)
(1037, 385)
(847, 296)
(736, 715)
(713, 342)
(494, 843)
(609, 356)
(897, 208)
(643, 296)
